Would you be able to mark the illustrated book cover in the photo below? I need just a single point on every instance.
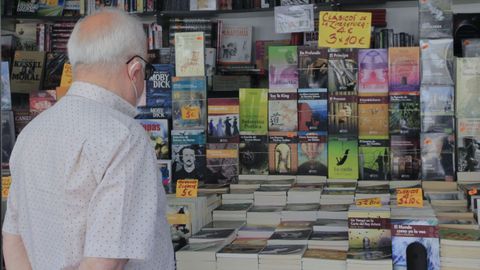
(312, 109)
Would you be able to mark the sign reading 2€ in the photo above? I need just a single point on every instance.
(187, 188)
(344, 29)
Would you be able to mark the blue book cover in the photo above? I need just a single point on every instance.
(189, 103)
(312, 109)
(159, 89)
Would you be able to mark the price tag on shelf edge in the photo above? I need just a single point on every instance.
(369, 202)
(410, 197)
(187, 188)
(344, 29)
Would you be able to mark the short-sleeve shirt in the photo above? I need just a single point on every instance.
(85, 183)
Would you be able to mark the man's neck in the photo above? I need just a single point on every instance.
(102, 80)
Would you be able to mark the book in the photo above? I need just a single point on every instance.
(188, 154)
(468, 79)
(189, 54)
(235, 45)
(223, 124)
(159, 89)
(203, 5)
(312, 67)
(437, 61)
(312, 109)
(311, 38)
(293, 237)
(343, 114)
(342, 158)
(369, 228)
(374, 159)
(253, 111)
(51, 8)
(41, 101)
(404, 69)
(468, 138)
(222, 163)
(53, 69)
(27, 71)
(438, 124)
(189, 103)
(405, 114)
(405, 157)
(261, 51)
(6, 95)
(27, 36)
(437, 100)
(8, 137)
(282, 111)
(312, 153)
(282, 150)
(342, 70)
(373, 114)
(165, 168)
(282, 66)
(438, 156)
(436, 19)
(471, 47)
(158, 132)
(294, 19)
(253, 154)
(373, 71)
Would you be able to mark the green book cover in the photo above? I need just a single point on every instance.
(374, 159)
(253, 111)
(342, 158)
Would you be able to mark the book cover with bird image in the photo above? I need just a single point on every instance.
(342, 158)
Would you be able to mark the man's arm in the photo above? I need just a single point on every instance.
(14, 252)
(102, 264)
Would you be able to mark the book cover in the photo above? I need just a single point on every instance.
(342, 158)
(27, 7)
(203, 4)
(375, 254)
(468, 80)
(282, 65)
(438, 156)
(179, 216)
(261, 51)
(223, 124)
(311, 38)
(27, 36)
(405, 114)
(6, 95)
(468, 143)
(437, 100)
(436, 19)
(471, 47)
(158, 132)
(282, 112)
(342, 70)
(235, 44)
(404, 69)
(405, 158)
(312, 109)
(369, 230)
(438, 124)
(373, 71)
(27, 71)
(189, 103)
(294, 18)
(41, 101)
(189, 54)
(282, 152)
(437, 61)
(53, 69)
(222, 163)
(165, 168)
(374, 159)
(312, 67)
(188, 155)
(51, 8)
(342, 114)
(253, 154)
(159, 89)
(312, 153)
(21, 119)
(8, 137)
(410, 232)
(253, 111)
(373, 114)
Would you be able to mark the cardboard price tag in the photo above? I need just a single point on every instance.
(344, 29)
(369, 202)
(190, 113)
(187, 188)
(410, 197)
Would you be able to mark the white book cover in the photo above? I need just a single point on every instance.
(235, 44)
(189, 54)
(203, 4)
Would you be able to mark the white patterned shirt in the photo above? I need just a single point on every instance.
(85, 184)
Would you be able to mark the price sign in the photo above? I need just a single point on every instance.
(369, 202)
(410, 197)
(344, 29)
(187, 188)
(190, 113)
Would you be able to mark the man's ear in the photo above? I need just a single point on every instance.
(134, 70)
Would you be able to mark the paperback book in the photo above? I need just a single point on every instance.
(159, 89)
(437, 61)
(438, 159)
(261, 51)
(27, 71)
(189, 54)
(188, 155)
(404, 69)
(342, 70)
(438, 124)
(253, 154)
(283, 155)
(342, 158)
(468, 80)
(235, 44)
(312, 67)
(436, 19)
(312, 109)
(165, 168)
(437, 100)
(343, 114)
(223, 120)
(373, 114)
(283, 61)
(8, 137)
(369, 229)
(53, 69)
(312, 153)
(374, 159)
(468, 143)
(282, 112)
(373, 72)
(406, 159)
(222, 163)
(6, 94)
(189, 103)
(158, 132)
(405, 114)
(253, 111)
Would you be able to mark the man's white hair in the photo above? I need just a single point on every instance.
(108, 44)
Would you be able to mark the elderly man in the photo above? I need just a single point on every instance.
(86, 191)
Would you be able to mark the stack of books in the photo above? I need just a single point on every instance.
(256, 231)
(459, 249)
(199, 256)
(240, 255)
(300, 212)
(223, 224)
(210, 235)
(315, 259)
(281, 257)
(304, 194)
(292, 237)
(333, 211)
(239, 197)
(271, 196)
(373, 259)
(265, 215)
(231, 212)
(333, 240)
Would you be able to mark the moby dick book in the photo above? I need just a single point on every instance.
(159, 89)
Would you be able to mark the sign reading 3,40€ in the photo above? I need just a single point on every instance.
(344, 29)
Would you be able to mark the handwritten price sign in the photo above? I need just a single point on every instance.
(190, 113)
(187, 188)
(344, 29)
(369, 202)
(410, 197)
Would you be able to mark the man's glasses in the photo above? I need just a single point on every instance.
(149, 69)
